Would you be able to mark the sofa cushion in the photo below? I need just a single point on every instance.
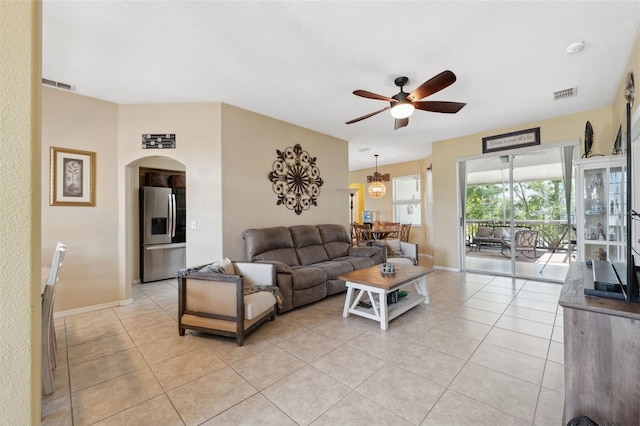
(484, 232)
(308, 244)
(335, 268)
(307, 276)
(336, 240)
(270, 244)
(358, 262)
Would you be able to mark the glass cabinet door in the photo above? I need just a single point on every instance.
(595, 213)
(601, 208)
(616, 225)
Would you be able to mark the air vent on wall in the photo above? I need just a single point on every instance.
(159, 141)
(566, 93)
(57, 84)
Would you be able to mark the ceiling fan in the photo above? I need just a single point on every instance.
(403, 104)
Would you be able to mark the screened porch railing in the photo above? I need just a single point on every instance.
(552, 234)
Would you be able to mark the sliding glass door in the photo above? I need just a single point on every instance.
(517, 212)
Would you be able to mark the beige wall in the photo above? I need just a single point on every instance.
(90, 270)
(198, 149)
(249, 151)
(619, 104)
(224, 198)
(446, 153)
(20, 317)
(384, 205)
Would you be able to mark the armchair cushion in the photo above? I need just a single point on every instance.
(500, 233)
(256, 304)
(408, 254)
(484, 232)
(393, 247)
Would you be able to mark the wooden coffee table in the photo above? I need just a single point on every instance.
(372, 282)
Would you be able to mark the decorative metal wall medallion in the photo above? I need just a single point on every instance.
(296, 179)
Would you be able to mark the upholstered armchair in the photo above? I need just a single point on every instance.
(232, 302)
(399, 252)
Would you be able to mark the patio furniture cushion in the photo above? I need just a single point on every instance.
(500, 233)
(484, 232)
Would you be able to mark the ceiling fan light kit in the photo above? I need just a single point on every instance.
(402, 110)
(403, 104)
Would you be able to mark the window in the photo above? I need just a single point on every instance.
(407, 204)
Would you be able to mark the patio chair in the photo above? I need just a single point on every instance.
(525, 241)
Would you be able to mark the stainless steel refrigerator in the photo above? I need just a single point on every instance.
(162, 232)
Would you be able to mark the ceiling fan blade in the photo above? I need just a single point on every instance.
(439, 106)
(367, 116)
(433, 85)
(370, 95)
(400, 122)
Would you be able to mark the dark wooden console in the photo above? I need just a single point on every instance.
(601, 353)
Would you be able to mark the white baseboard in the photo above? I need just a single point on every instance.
(92, 308)
(136, 281)
(446, 268)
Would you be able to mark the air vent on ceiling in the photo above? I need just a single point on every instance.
(57, 84)
(566, 93)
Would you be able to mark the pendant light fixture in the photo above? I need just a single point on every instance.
(377, 189)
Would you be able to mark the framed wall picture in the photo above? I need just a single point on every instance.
(513, 140)
(73, 177)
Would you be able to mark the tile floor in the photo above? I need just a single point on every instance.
(487, 351)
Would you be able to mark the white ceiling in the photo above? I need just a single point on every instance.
(300, 61)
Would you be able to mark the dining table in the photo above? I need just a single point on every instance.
(381, 233)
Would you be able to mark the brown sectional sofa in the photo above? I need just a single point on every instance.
(308, 259)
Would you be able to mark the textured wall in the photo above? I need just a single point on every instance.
(20, 213)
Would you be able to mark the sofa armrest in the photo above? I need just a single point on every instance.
(373, 250)
(364, 251)
(255, 274)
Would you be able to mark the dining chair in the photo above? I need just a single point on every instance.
(48, 341)
(404, 232)
(394, 228)
(363, 234)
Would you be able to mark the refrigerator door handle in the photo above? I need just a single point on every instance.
(173, 215)
(165, 246)
(170, 207)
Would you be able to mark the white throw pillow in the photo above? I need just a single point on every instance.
(393, 247)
